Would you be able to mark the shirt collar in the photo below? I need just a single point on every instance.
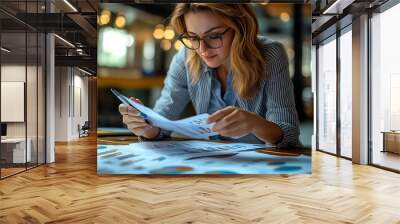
(207, 69)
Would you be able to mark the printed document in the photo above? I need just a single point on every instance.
(195, 127)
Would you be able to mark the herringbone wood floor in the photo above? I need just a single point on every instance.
(70, 191)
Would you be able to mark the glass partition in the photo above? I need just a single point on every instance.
(22, 77)
(15, 151)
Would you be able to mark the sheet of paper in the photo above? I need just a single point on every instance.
(195, 127)
(195, 148)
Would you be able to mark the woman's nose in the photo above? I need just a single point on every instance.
(203, 48)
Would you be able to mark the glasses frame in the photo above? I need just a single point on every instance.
(221, 35)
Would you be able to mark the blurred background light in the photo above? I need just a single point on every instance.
(113, 44)
(105, 17)
(120, 21)
(285, 17)
(166, 44)
(178, 45)
(149, 50)
(159, 32)
(169, 33)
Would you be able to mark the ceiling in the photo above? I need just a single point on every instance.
(76, 24)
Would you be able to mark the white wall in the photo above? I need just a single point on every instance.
(61, 103)
(35, 122)
(71, 93)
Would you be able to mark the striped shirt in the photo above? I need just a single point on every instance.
(274, 102)
(219, 101)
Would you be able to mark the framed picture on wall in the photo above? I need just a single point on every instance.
(12, 101)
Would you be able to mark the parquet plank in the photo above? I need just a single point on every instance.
(70, 191)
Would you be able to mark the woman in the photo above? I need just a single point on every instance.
(226, 70)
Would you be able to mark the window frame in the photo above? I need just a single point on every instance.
(346, 26)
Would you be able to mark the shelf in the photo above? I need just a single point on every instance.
(137, 83)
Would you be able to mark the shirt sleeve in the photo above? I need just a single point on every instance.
(279, 92)
(174, 95)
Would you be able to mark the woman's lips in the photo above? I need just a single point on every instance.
(209, 57)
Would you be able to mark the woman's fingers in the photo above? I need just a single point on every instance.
(133, 120)
(129, 119)
(237, 123)
(233, 117)
(139, 128)
(138, 131)
(134, 114)
(135, 125)
(232, 130)
(218, 115)
(136, 100)
(123, 109)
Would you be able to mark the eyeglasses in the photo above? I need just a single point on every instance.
(212, 41)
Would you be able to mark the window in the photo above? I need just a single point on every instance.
(346, 93)
(385, 87)
(327, 96)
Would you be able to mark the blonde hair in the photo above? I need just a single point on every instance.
(246, 58)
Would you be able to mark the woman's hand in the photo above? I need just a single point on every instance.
(135, 123)
(233, 121)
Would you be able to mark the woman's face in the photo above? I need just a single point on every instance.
(202, 24)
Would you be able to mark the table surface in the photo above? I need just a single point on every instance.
(390, 132)
(13, 140)
(111, 160)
